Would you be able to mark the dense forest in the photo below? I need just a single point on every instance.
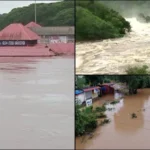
(95, 21)
(48, 14)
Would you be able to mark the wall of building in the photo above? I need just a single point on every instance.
(95, 93)
(56, 39)
(88, 95)
(80, 98)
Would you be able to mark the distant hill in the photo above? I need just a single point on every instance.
(95, 21)
(48, 14)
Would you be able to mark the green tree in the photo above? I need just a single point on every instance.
(48, 14)
(95, 21)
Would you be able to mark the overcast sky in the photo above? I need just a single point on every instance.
(7, 6)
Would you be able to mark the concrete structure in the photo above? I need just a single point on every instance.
(79, 96)
(91, 92)
(87, 94)
(55, 34)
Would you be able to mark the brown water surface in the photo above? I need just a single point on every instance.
(113, 56)
(123, 132)
(36, 103)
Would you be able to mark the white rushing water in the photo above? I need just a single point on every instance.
(113, 56)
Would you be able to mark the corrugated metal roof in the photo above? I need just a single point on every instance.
(53, 30)
(17, 31)
(32, 24)
(91, 88)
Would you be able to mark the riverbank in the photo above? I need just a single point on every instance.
(121, 131)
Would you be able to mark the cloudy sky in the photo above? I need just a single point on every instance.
(7, 6)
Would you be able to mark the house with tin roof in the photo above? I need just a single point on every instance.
(86, 94)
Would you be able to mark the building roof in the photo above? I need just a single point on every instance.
(91, 88)
(54, 30)
(107, 84)
(77, 92)
(32, 24)
(17, 31)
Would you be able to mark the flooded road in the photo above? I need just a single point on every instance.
(36, 103)
(113, 56)
(123, 132)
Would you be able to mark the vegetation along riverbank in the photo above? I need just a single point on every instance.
(88, 118)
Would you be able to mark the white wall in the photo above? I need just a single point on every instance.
(80, 98)
(58, 39)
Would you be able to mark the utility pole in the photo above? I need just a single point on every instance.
(35, 10)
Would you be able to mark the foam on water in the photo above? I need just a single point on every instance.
(113, 56)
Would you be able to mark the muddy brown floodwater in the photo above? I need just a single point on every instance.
(122, 132)
(113, 56)
(36, 103)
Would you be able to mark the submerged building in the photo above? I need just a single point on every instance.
(17, 34)
(55, 34)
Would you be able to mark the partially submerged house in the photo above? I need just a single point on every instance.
(18, 35)
(32, 25)
(55, 34)
(107, 88)
(92, 92)
(87, 94)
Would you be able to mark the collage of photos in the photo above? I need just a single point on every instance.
(37, 74)
(112, 83)
(75, 74)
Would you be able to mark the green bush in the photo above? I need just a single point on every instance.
(114, 102)
(101, 115)
(137, 70)
(100, 109)
(85, 120)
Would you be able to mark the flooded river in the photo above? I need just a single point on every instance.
(36, 103)
(122, 132)
(113, 56)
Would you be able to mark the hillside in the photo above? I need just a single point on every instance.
(95, 21)
(52, 14)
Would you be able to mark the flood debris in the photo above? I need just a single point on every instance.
(105, 121)
(110, 109)
(115, 102)
(101, 115)
(91, 135)
(133, 115)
